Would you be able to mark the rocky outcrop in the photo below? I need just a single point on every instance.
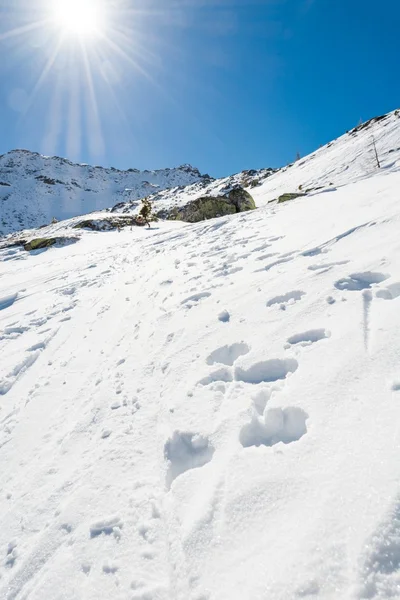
(110, 223)
(37, 243)
(290, 196)
(208, 207)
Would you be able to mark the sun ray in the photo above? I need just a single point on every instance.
(126, 56)
(95, 135)
(23, 30)
(42, 78)
(111, 91)
(74, 130)
(86, 49)
(54, 121)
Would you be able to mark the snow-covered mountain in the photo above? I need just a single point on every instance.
(211, 411)
(165, 201)
(35, 188)
(349, 158)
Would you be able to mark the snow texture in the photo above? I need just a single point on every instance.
(168, 432)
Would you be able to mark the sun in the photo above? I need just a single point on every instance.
(80, 18)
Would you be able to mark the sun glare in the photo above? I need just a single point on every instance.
(80, 52)
(81, 18)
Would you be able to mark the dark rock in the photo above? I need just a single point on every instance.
(208, 207)
(289, 196)
(110, 223)
(39, 243)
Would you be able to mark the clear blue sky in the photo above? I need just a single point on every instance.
(222, 84)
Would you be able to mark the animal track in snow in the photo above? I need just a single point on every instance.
(309, 337)
(288, 298)
(267, 371)
(227, 355)
(184, 451)
(279, 425)
(360, 281)
(391, 292)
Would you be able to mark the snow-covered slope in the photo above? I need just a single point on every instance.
(35, 188)
(166, 200)
(347, 159)
(210, 411)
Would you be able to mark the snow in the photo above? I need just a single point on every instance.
(348, 159)
(209, 411)
(34, 189)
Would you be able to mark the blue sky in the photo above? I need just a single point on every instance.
(224, 85)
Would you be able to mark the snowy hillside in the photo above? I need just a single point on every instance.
(347, 159)
(35, 188)
(168, 199)
(211, 411)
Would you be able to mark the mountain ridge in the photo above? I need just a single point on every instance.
(35, 188)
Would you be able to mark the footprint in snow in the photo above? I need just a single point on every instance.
(107, 526)
(262, 247)
(285, 425)
(391, 292)
(184, 451)
(13, 332)
(194, 299)
(222, 375)
(224, 316)
(267, 371)
(308, 337)
(7, 301)
(275, 263)
(360, 281)
(286, 299)
(226, 270)
(324, 267)
(227, 355)
(266, 256)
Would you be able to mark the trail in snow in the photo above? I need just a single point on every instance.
(178, 424)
